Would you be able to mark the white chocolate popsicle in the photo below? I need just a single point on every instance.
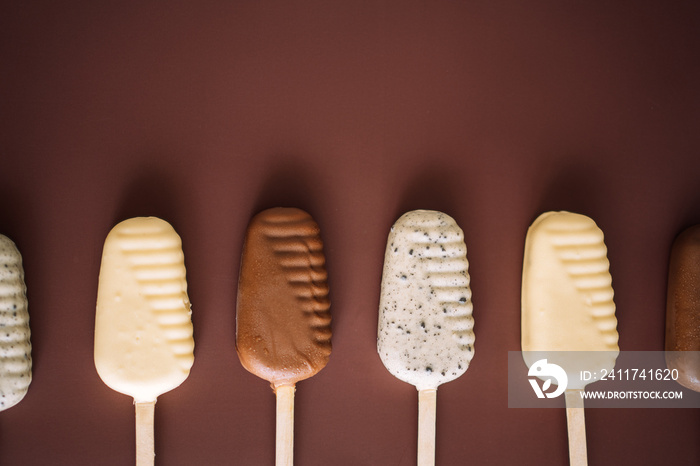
(425, 335)
(15, 346)
(143, 327)
(568, 313)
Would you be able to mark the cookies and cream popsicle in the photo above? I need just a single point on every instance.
(425, 333)
(683, 309)
(568, 313)
(283, 332)
(15, 346)
(143, 327)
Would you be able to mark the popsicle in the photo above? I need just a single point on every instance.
(283, 321)
(683, 309)
(15, 347)
(425, 331)
(567, 306)
(143, 327)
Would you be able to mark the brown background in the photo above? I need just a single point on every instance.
(355, 111)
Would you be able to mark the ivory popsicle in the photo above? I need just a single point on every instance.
(15, 344)
(425, 330)
(567, 306)
(143, 327)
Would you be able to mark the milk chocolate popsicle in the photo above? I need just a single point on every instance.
(283, 321)
(15, 347)
(425, 335)
(568, 313)
(143, 327)
(683, 309)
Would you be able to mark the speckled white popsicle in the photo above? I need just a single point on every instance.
(425, 335)
(15, 346)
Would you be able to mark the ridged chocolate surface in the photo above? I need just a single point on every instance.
(683, 308)
(15, 346)
(283, 331)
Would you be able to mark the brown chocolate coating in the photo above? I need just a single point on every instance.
(683, 309)
(283, 331)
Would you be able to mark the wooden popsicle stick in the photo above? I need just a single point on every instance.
(145, 448)
(284, 449)
(427, 403)
(576, 424)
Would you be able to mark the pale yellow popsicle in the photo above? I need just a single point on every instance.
(568, 313)
(567, 294)
(143, 327)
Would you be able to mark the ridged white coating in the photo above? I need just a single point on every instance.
(567, 294)
(15, 345)
(143, 330)
(425, 331)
